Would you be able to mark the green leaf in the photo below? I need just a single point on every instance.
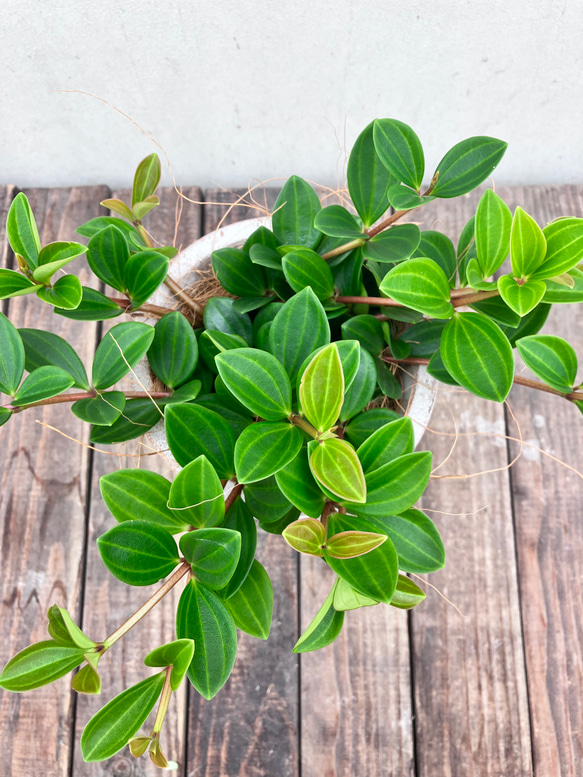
(395, 486)
(264, 448)
(305, 268)
(306, 535)
(527, 244)
(394, 245)
(367, 330)
(474, 277)
(5, 414)
(564, 239)
(403, 198)
(419, 284)
(559, 293)
(361, 427)
(324, 629)
(22, 231)
(346, 598)
(436, 368)
(492, 225)
(416, 540)
(551, 359)
(141, 209)
(107, 256)
(15, 284)
(266, 501)
(94, 306)
(173, 354)
(235, 419)
(12, 357)
(367, 178)
(66, 293)
(361, 391)
(103, 410)
(193, 430)
(350, 544)
(139, 415)
(65, 631)
(407, 594)
(212, 343)
(334, 463)
(277, 527)
(477, 354)
(522, 298)
(322, 388)
(177, 654)
(400, 151)
(467, 165)
(299, 327)
(496, 309)
(46, 348)
(265, 256)
(146, 179)
(119, 207)
(251, 606)
(237, 273)
(530, 324)
(114, 725)
(386, 380)
(143, 273)
(336, 221)
(424, 338)
(137, 493)
(438, 247)
(294, 212)
(53, 257)
(213, 554)
(258, 380)
(196, 495)
(387, 443)
(133, 238)
(138, 552)
(375, 573)
(87, 680)
(120, 350)
(204, 618)
(220, 314)
(240, 519)
(42, 383)
(297, 484)
(38, 665)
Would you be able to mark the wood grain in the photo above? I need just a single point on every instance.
(471, 713)
(250, 728)
(43, 500)
(109, 602)
(548, 498)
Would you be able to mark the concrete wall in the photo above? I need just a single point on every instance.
(241, 89)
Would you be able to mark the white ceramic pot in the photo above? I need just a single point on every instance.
(419, 390)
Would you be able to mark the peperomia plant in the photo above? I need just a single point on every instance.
(275, 394)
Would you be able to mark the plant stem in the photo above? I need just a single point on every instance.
(230, 500)
(297, 420)
(164, 701)
(380, 301)
(324, 518)
(179, 292)
(471, 299)
(62, 398)
(388, 222)
(343, 248)
(125, 304)
(156, 597)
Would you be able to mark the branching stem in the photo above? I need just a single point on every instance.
(62, 398)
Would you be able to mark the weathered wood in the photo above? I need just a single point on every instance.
(43, 501)
(547, 501)
(251, 727)
(471, 714)
(109, 602)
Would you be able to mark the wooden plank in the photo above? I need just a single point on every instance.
(547, 508)
(251, 726)
(43, 493)
(109, 602)
(471, 713)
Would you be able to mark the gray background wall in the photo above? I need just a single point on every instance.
(241, 89)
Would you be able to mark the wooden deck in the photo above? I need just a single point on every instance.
(489, 685)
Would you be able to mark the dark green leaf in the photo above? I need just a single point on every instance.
(306, 535)
(478, 355)
(367, 330)
(419, 284)
(15, 284)
(138, 552)
(277, 527)
(265, 256)
(403, 198)
(437, 246)
(522, 298)
(564, 239)
(265, 315)
(107, 255)
(400, 151)
(390, 441)
(305, 268)
(139, 415)
(42, 383)
(527, 244)
(361, 427)
(436, 368)
(236, 420)
(120, 350)
(416, 540)
(264, 448)
(143, 273)
(237, 273)
(322, 388)
(324, 629)
(266, 501)
(46, 348)
(213, 554)
(387, 381)
(114, 725)
(467, 165)
(103, 410)
(559, 293)
(297, 484)
(407, 594)
(496, 309)
(5, 414)
(247, 304)
(173, 354)
(64, 630)
(367, 178)
(258, 380)
(94, 306)
(219, 314)
(12, 357)
(424, 338)
(493, 223)
(39, 665)
(334, 463)
(294, 212)
(146, 178)
(394, 245)
(551, 359)
(530, 324)
(21, 230)
(196, 495)
(240, 519)
(299, 327)
(53, 257)
(336, 221)
(131, 234)
(66, 293)
(348, 274)
(177, 654)
(357, 397)
(211, 343)
(204, 618)
(251, 606)
(193, 430)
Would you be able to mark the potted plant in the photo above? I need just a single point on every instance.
(274, 391)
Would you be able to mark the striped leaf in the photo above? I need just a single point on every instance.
(297, 484)
(350, 544)
(94, 306)
(368, 330)
(564, 238)
(38, 665)
(368, 179)
(400, 151)
(522, 298)
(107, 255)
(467, 165)
(12, 357)
(22, 231)
(220, 314)
(264, 448)
(322, 388)
(336, 221)
(15, 284)
(257, 380)
(146, 178)
(305, 268)
(240, 519)
(361, 428)
(404, 198)
(392, 440)
(237, 273)
(143, 273)
(394, 245)
(46, 348)
(139, 415)
(306, 535)
(551, 359)
(53, 257)
(173, 354)
(266, 501)
(213, 554)
(335, 465)
(492, 225)
(294, 212)
(324, 629)
(42, 383)
(407, 594)
(416, 540)
(138, 552)
(477, 354)
(362, 388)
(193, 430)
(66, 293)
(120, 350)
(177, 654)
(196, 495)
(419, 284)
(438, 247)
(527, 244)
(347, 598)
(251, 606)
